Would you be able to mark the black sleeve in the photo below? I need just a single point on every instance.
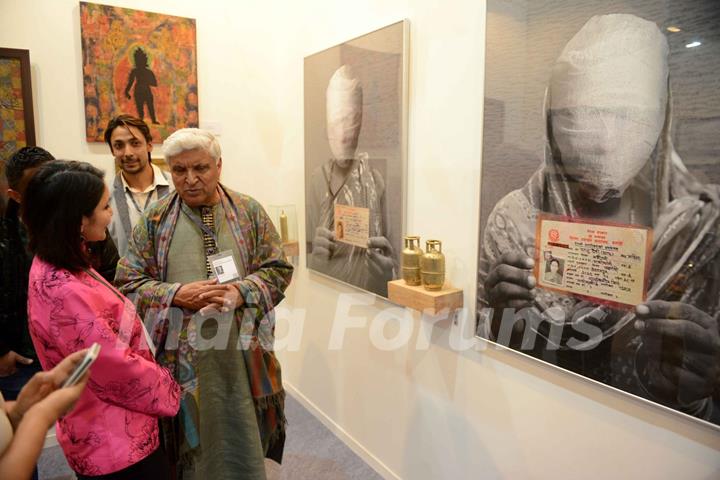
(105, 257)
(4, 327)
(6, 274)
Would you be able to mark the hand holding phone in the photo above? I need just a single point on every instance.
(83, 366)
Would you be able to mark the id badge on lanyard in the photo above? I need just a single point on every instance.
(224, 267)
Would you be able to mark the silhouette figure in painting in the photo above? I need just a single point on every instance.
(143, 78)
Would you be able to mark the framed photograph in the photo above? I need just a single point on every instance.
(355, 157)
(138, 63)
(17, 124)
(599, 250)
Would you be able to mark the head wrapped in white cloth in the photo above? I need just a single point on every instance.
(344, 113)
(608, 95)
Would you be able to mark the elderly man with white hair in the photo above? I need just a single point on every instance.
(183, 258)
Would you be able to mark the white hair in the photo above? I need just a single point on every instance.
(187, 139)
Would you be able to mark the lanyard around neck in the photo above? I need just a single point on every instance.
(147, 200)
(198, 222)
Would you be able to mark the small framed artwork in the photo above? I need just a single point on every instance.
(17, 124)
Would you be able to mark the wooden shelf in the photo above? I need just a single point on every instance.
(423, 300)
(292, 249)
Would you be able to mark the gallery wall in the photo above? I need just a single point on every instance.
(453, 408)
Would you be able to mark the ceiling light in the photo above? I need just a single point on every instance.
(693, 45)
(673, 29)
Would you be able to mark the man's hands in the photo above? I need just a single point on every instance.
(207, 295)
(189, 294)
(222, 297)
(9, 361)
(681, 349)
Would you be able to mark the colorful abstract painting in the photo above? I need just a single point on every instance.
(139, 63)
(16, 117)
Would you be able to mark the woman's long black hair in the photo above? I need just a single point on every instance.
(55, 201)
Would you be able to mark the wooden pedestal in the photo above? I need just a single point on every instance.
(423, 300)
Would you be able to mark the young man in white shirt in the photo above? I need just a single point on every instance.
(138, 183)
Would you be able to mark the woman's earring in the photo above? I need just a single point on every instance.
(82, 233)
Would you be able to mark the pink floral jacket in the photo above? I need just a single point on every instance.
(114, 423)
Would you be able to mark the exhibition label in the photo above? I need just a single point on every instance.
(604, 262)
(352, 225)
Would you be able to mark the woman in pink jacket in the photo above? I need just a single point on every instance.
(113, 431)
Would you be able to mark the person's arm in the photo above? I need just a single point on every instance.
(138, 275)
(9, 361)
(678, 362)
(5, 320)
(505, 281)
(381, 253)
(152, 78)
(35, 412)
(320, 241)
(269, 272)
(131, 80)
(7, 356)
(121, 375)
(21, 456)
(8, 315)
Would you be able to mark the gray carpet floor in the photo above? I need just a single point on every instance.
(311, 452)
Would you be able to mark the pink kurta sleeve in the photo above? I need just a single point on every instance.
(125, 374)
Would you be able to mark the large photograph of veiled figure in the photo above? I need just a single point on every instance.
(355, 116)
(612, 108)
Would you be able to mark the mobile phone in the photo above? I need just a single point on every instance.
(83, 366)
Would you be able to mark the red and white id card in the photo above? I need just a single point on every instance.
(352, 225)
(604, 262)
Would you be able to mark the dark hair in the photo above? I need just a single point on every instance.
(26, 157)
(554, 260)
(126, 121)
(56, 199)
